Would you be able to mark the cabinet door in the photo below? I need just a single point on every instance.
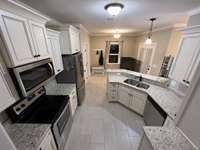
(39, 36)
(15, 33)
(48, 143)
(138, 101)
(75, 40)
(124, 96)
(54, 47)
(137, 104)
(185, 57)
(7, 98)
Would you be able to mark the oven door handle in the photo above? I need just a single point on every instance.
(51, 67)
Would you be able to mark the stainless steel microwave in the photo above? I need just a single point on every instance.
(29, 78)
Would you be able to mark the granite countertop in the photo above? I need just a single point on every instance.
(164, 97)
(54, 88)
(27, 136)
(165, 138)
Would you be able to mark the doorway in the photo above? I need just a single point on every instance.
(146, 55)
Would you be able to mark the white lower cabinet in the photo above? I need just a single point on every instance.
(48, 143)
(131, 98)
(138, 102)
(112, 91)
(125, 95)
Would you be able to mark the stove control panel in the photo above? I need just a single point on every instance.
(22, 105)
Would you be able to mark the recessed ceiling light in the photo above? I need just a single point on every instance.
(114, 8)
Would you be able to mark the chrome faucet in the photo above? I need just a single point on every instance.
(140, 79)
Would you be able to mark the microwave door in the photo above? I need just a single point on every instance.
(33, 76)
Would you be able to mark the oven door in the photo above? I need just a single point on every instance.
(62, 126)
(31, 77)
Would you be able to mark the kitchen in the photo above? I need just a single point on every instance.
(63, 87)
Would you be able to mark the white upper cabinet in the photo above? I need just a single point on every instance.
(70, 40)
(7, 97)
(23, 41)
(188, 55)
(39, 35)
(18, 42)
(54, 47)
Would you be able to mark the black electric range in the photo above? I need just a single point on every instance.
(45, 109)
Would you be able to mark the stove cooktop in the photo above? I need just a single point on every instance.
(45, 110)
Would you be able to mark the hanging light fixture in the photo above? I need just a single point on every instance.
(149, 40)
(116, 35)
(114, 8)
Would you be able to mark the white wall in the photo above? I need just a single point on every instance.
(162, 38)
(99, 42)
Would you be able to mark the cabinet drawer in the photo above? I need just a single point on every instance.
(139, 94)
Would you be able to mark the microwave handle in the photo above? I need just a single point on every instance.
(51, 67)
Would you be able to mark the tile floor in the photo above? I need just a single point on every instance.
(99, 125)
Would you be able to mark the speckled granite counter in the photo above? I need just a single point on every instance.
(164, 138)
(27, 136)
(164, 97)
(54, 88)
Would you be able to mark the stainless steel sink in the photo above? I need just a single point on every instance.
(136, 83)
(142, 85)
(131, 81)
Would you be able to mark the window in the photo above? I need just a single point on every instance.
(114, 53)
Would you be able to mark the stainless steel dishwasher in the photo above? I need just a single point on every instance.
(154, 115)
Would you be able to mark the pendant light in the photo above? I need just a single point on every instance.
(149, 40)
(114, 8)
(116, 35)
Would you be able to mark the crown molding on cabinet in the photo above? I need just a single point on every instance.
(28, 8)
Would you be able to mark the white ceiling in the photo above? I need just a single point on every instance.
(133, 18)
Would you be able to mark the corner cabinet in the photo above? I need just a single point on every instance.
(54, 47)
(188, 55)
(22, 41)
(70, 40)
(7, 97)
(48, 143)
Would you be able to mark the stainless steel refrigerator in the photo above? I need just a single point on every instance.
(73, 73)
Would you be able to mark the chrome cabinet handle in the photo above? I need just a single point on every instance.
(51, 67)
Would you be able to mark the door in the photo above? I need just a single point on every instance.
(54, 46)
(17, 39)
(146, 56)
(40, 39)
(186, 59)
(7, 98)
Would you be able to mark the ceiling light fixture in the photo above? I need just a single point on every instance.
(114, 8)
(116, 35)
(149, 40)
